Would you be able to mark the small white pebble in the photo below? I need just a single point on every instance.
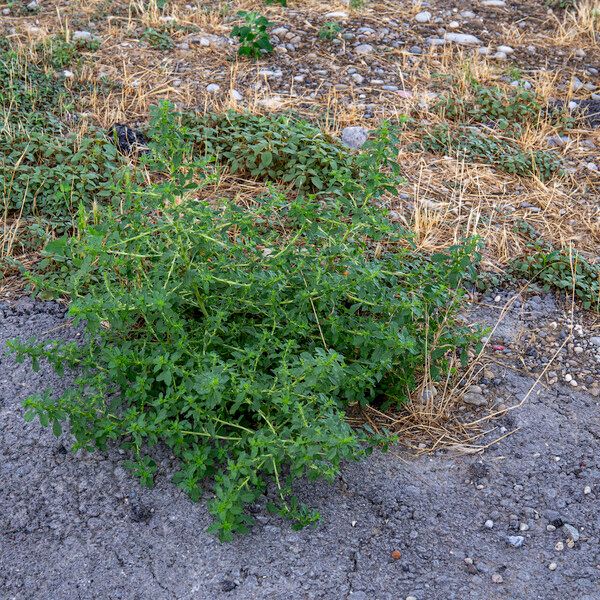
(559, 546)
(497, 578)
(489, 524)
(568, 377)
(587, 490)
(550, 528)
(552, 566)
(523, 527)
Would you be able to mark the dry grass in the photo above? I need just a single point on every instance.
(581, 24)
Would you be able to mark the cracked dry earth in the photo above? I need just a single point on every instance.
(517, 522)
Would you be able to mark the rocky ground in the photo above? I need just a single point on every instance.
(518, 521)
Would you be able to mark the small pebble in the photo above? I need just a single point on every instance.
(497, 578)
(552, 566)
(489, 524)
(516, 541)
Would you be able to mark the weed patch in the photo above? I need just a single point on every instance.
(505, 155)
(238, 337)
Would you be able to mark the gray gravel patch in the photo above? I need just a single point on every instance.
(76, 526)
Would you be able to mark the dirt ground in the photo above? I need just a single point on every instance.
(518, 521)
(79, 527)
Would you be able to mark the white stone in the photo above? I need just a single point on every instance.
(213, 88)
(505, 49)
(337, 14)
(494, 3)
(235, 95)
(462, 38)
(82, 36)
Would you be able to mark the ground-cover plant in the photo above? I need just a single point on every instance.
(25, 88)
(238, 336)
(505, 155)
(502, 108)
(252, 35)
(158, 39)
(559, 269)
(277, 147)
(47, 173)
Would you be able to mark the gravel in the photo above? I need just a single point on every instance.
(78, 526)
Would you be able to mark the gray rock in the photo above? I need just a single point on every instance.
(213, 88)
(572, 531)
(364, 49)
(505, 49)
(33, 6)
(494, 3)
(595, 340)
(423, 17)
(355, 137)
(474, 399)
(516, 541)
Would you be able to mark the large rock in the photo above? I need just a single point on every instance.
(355, 137)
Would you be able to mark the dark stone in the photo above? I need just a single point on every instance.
(227, 585)
(127, 140)
(140, 513)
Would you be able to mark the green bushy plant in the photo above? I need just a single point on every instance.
(238, 336)
(252, 35)
(476, 146)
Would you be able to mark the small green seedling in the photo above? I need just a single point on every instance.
(253, 36)
(160, 40)
(330, 31)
